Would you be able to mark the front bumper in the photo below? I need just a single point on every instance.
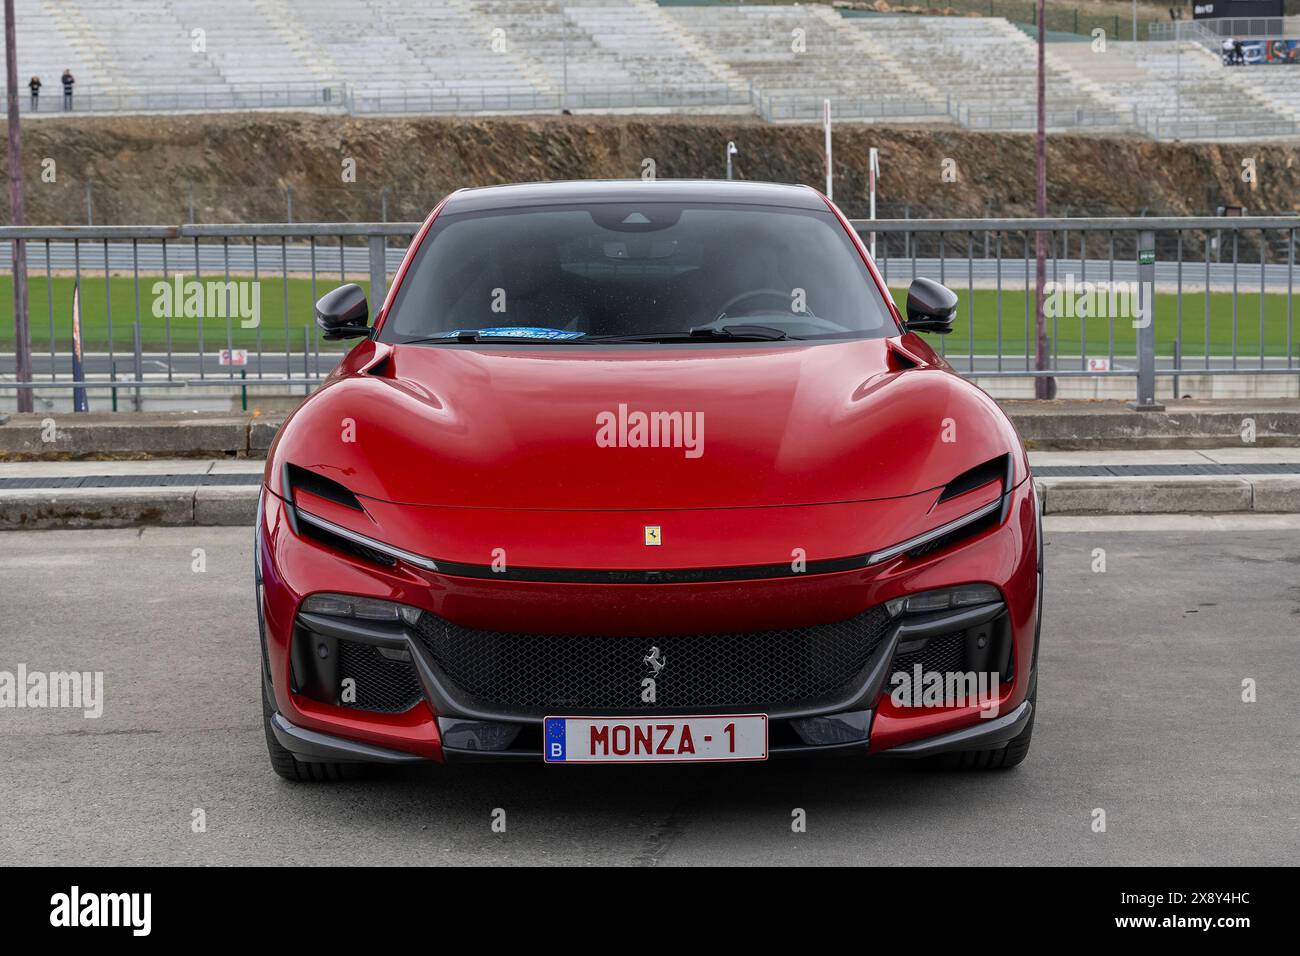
(446, 723)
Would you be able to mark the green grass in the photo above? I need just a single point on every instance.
(154, 331)
(185, 332)
(1069, 332)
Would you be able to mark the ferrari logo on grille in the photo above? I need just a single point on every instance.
(652, 536)
(655, 661)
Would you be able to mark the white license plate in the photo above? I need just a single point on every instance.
(654, 739)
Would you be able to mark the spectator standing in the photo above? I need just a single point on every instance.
(34, 84)
(68, 80)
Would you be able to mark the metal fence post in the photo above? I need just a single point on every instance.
(378, 274)
(1146, 324)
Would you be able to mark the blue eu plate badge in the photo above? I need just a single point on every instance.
(555, 739)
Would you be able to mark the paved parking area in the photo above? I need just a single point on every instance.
(1140, 715)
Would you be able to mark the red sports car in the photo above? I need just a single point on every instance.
(644, 471)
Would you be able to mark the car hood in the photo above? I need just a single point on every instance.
(556, 426)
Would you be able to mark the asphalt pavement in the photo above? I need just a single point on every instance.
(1140, 715)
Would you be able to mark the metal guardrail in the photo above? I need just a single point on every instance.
(169, 349)
(771, 106)
(355, 99)
(1239, 28)
(1219, 293)
(531, 99)
(1174, 267)
(775, 107)
(191, 97)
(981, 118)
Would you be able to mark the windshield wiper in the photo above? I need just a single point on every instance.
(758, 333)
(730, 333)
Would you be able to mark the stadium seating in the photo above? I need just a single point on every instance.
(1159, 86)
(52, 40)
(990, 66)
(782, 61)
(255, 46)
(796, 56)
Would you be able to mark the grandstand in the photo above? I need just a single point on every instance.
(835, 61)
(991, 68)
(1159, 85)
(780, 61)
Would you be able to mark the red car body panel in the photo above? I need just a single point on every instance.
(785, 424)
(837, 449)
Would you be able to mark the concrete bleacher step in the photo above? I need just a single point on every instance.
(621, 55)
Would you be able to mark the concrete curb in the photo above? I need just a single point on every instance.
(1054, 425)
(1089, 426)
(1263, 494)
(36, 437)
(237, 505)
(98, 508)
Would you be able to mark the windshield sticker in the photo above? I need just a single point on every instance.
(518, 332)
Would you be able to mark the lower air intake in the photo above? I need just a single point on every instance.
(381, 684)
(543, 674)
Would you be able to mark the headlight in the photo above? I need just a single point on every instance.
(361, 608)
(941, 600)
(937, 534)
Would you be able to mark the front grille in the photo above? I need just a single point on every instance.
(573, 673)
(945, 654)
(383, 685)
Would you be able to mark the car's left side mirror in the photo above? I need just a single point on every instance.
(931, 307)
(342, 313)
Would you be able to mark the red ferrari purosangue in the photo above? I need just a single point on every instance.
(644, 471)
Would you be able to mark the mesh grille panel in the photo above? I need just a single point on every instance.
(382, 685)
(944, 654)
(544, 673)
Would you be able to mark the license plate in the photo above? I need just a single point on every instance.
(655, 739)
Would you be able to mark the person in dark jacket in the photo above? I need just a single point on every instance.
(34, 84)
(68, 80)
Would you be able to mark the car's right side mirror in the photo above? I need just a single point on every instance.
(931, 307)
(342, 313)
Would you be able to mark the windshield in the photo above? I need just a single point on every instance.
(639, 272)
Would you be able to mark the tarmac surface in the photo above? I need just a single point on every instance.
(1140, 715)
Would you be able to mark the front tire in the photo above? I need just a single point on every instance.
(1003, 758)
(284, 763)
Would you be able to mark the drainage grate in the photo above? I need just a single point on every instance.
(129, 481)
(1209, 469)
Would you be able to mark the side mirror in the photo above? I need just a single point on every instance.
(342, 313)
(931, 307)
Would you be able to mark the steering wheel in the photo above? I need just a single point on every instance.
(783, 294)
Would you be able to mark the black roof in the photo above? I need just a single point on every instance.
(634, 191)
